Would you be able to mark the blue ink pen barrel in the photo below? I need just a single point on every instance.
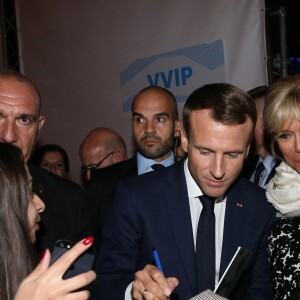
(158, 262)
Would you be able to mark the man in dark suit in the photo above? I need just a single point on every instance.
(198, 205)
(260, 164)
(154, 125)
(65, 215)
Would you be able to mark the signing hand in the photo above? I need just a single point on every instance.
(151, 284)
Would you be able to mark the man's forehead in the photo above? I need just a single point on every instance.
(92, 156)
(17, 93)
(152, 111)
(152, 98)
(202, 124)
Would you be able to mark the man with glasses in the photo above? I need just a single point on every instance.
(101, 148)
(154, 125)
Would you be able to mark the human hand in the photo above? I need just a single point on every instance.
(150, 284)
(45, 282)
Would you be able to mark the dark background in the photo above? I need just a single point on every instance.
(292, 8)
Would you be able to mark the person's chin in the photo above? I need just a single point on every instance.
(215, 190)
(149, 152)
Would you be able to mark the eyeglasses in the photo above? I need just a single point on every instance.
(92, 168)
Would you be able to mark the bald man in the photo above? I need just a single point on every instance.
(101, 148)
(154, 125)
(65, 216)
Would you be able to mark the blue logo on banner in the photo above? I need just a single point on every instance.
(176, 76)
(180, 71)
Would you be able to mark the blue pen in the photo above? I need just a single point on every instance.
(157, 260)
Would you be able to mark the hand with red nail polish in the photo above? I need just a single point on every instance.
(88, 241)
(46, 282)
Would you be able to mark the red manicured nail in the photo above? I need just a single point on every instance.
(88, 241)
(44, 254)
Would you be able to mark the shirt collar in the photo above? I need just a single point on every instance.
(144, 164)
(192, 187)
(269, 162)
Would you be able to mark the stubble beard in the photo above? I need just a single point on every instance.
(155, 151)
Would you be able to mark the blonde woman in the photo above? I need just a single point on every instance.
(282, 124)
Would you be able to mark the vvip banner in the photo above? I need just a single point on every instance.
(181, 71)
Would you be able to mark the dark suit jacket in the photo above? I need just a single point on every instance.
(101, 188)
(153, 210)
(65, 215)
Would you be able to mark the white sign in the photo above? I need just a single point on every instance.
(180, 71)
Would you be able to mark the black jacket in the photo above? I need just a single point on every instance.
(101, 188)
(65, 215)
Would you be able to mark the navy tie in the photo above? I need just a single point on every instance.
(260, 168)
(157, 167)
(205, 245)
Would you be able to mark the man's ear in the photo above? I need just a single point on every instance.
(40, 125)
(178, 125)
(184, 140)
(247, 150)
(42, 120)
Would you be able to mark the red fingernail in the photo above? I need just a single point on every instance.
(44, 254)
(88, 241)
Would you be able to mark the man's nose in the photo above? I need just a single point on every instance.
(8, 132)
(149, 127)
(217, 168)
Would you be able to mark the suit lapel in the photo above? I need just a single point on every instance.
(177, 202)
(233, 225)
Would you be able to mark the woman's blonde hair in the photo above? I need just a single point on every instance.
(282, 105)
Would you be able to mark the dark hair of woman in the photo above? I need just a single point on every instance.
(16, 250)
(38, 154)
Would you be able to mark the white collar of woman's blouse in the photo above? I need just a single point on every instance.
(283, 191)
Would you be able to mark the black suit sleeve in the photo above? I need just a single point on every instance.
(65, 215)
